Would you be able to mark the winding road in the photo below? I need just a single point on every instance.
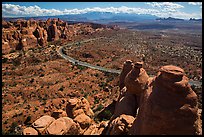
(74, 61)
(77, 62)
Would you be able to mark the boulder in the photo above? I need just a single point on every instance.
(86, 107)
(96, 129)
(121, 125)
(169, 106)
(42, 123)
(30, 131)
(78, 112)
(77, 106)
(58, 113)
(84, 120)
(72, 105)
(63, 126)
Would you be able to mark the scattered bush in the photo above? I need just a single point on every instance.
(12, 51)
(61, 88)
(4, 60)
(100, 107)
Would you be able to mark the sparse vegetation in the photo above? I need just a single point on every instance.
(100, 107)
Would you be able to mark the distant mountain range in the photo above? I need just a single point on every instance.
(105, 17)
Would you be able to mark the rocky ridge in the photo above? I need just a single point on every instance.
(26, 34)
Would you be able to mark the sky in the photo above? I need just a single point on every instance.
(184, 10)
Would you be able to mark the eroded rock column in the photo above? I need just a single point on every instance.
(169, 106)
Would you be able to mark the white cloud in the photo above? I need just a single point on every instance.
(195, 3)
(165, 5)
(161, 9)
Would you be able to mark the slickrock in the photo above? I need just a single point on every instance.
(121, 125)
(30, 131)
(42, 123)
(136, 79)
(127, 67)
(168, 107)
(63, 126)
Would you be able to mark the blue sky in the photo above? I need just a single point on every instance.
(183, 10)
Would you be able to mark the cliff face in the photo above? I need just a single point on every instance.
(166, 103)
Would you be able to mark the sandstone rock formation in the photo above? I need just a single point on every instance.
(160, 105)
(76, 107)
(96, 129)
(39, 32)
(170, 100)
(167, 105)
(127, 105)
(42, 123)
(63, 126)
(136, 79)
(59, 113)
(121, 125)
(127, 67)
(84, 120)
(30, 131)
(53, 33)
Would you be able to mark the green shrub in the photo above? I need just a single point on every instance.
(100, 107)
(4, 60)
(61, 88)
(12, 51)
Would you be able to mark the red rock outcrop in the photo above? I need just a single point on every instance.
(77, 106)
(96, 129)
(30, 131)
(42, 123)
(40, 32)
(121, 125)
(127, 105)
(127, 67)
(59, 113)
(136, 79)
(53, 33)
(63, 126)
(168, 107)
(84, 120)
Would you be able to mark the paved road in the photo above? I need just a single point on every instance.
(77, 62)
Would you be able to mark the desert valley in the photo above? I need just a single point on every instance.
(45, 91)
